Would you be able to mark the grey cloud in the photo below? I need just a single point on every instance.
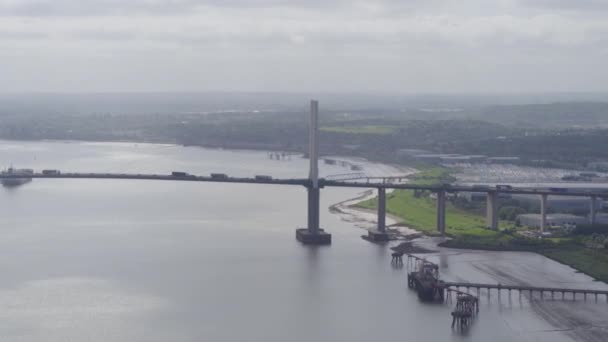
(575, 5)
(109, 35)
(22, 35)
(42, 8)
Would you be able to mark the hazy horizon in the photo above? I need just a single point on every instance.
(385, 46)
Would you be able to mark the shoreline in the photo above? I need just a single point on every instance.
(366, 219)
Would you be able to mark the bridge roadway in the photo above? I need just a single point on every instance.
(379, 234)
(187, 178)
(322, 183)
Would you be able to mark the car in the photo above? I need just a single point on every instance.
(50, 172)
(179, 174)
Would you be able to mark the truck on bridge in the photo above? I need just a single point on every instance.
(219, 176)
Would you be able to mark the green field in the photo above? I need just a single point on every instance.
(369, 129)
(420, 212)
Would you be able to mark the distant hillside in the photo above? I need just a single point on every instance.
(553, 115)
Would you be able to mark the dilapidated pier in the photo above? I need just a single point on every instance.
(423, 277)
(467, 306)
(552, 291)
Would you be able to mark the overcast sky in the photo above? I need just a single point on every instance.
(397, 46)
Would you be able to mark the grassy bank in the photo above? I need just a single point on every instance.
(419, 211)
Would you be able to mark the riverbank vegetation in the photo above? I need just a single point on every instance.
(418, 209)
(396, 130)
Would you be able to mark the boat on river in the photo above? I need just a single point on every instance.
(20, 176)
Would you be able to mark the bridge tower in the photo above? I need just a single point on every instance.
(313, 235)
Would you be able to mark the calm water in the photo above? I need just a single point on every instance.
(167, 261)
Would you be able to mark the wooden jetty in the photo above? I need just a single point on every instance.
(529, 289)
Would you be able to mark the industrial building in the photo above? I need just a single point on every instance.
(561, 203)
(553, 220)
(601, 218)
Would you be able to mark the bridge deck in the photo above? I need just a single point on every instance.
(600, 193)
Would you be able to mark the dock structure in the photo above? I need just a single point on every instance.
(467, 306)
(423, 277)
(530, 289)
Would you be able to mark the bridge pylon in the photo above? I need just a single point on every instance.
(313, 234)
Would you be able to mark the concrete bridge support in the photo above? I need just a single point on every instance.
(593, 210)
(382, 209)
(313, 235)
(379, 234)
(441, 212)
(544, 205)
(314, 196)
(492, 210)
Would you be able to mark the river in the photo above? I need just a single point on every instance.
(108, 260)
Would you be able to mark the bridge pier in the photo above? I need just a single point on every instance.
(379, 234)
(313, 235)
(441, 212)
(492, 210)
(593, 210)
(543, 212)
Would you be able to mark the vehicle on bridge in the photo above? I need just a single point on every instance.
(179, 174)
(49, 172)
(263, 178)
(219, 176)
(480, 187)
(503, 187)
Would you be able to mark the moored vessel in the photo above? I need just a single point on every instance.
(18, 176)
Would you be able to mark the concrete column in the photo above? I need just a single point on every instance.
(313, 210)
(382, 210)
(593, 209)
(492, 210)
(441, 212)
(543, 212)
